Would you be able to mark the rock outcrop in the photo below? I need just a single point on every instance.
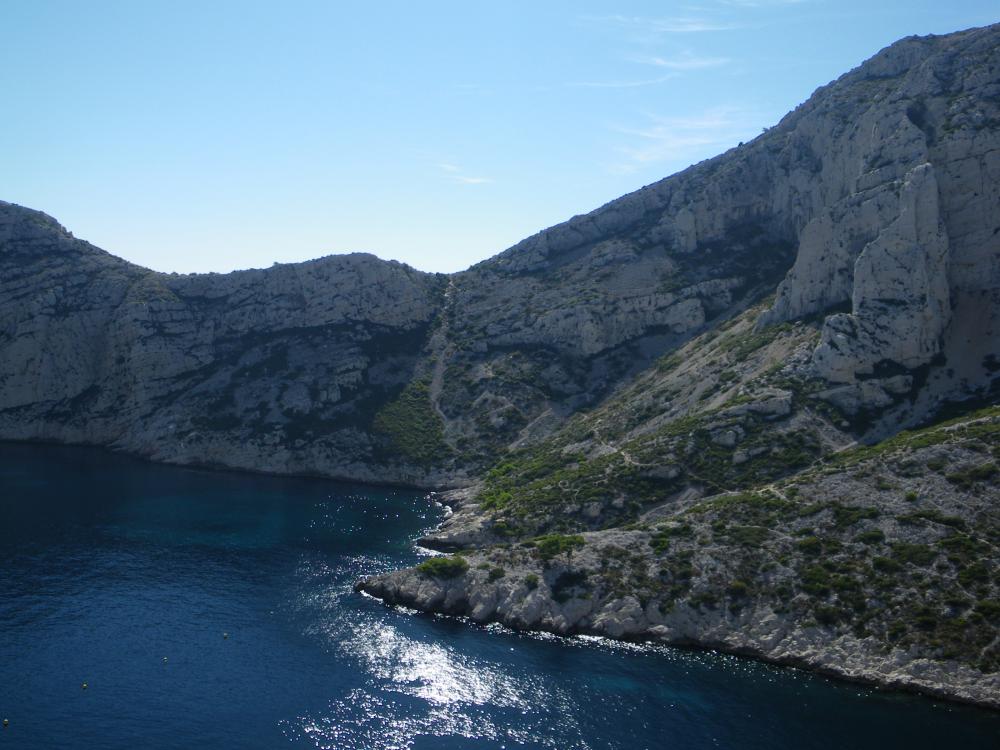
(710, 501)
(901, 299)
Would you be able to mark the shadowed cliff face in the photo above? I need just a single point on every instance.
(278, 370)
(878, 195)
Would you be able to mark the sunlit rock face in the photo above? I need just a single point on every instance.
(880, 193)
(873, 204)
(913, 244)
(901, 298)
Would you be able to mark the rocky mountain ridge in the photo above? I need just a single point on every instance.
(185, 368)
(705, 342)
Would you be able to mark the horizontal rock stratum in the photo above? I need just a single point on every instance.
(647, 410)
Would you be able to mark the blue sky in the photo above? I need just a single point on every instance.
(197, 136)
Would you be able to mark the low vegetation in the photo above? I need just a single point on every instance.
(444, 567)
(412, 426)
(846, 543)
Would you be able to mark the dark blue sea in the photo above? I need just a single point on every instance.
(128, 576)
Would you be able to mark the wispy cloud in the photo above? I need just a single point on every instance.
(684, 62)
(671, 25)
(470, 88)
(622, 84)
(761, 3)
(456, 174)
(682, 139)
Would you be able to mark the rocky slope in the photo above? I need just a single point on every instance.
(682, 358)
(744, 521)
(896, 587)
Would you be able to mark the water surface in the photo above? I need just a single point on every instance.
(126, 576)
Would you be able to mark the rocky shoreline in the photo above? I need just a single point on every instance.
(859, 670)
(891, 585)
(535, 610)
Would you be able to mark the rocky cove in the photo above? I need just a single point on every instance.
(749, 407)
(270, 561)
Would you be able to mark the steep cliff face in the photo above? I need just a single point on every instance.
(276, 370)
(914, 243)
(878, 195)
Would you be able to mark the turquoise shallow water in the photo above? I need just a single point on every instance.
(108, 565)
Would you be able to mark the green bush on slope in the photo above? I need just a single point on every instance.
(412, 426)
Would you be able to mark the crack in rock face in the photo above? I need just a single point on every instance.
(901, 298)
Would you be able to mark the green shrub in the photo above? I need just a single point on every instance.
(886, 565)
(412, 426)
(847, 515)
(933, 515)
(815, 580)
(962, 546)
(936, 464)
(896, 631)
(502, 528)
(965, 478)
(444, 567)
(826, 615)
(915, 554)
(871, 536)
(810, 545)
(531, 581)
(925, 618)
(660, 543)
(570, 584)
(551, 545)
(748, 536)
(705, 599)
(738, 589)
(977, 572)
(494, 499)
(988, 608)
(496, 573)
